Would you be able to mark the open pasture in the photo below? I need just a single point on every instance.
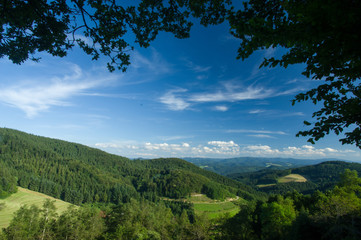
(212, 208)
(292, 178)
(25, 197)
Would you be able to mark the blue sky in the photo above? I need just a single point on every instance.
(179, 98)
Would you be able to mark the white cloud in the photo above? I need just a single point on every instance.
(331, 150)
(256, 111)
(229, 92)
(270, 52)
(291, 91)
(154, 64)
(173, 101)
(293, 114)
(305, 151)
(212, 148)
(260, 136)
(218, 148)
(223, 144)
(255, 131)
(260, 148)
(221, 108)
(186, 145)
(37, 95)
(231, 96)
(277, 113)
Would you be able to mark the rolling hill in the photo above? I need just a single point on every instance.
(322, 176)
(79, 174)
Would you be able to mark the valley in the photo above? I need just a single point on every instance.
(165, 198)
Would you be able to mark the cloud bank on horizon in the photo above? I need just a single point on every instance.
(219, 149)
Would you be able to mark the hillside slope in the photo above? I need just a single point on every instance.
(79, 174)
(26, 197)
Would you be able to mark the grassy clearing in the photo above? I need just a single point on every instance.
(212, 208)
(266, 185)
(292, 178)
(26, 197)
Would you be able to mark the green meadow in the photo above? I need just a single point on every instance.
(286, 179)
(25, 197)
(213, 208)
(292, 178)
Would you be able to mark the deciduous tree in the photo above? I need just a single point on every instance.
(324, 36)
(98, 27)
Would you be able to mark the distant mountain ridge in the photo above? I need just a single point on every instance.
(227, 166)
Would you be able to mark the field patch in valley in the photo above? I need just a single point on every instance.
(213, 208)
(292, 178)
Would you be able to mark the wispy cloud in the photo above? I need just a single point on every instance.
(256, 111)
(154, 65)
(59, 83)
(37, 95)
(260, 136)
(181, 99)
(195, 67)
(255, 131)
(172, 138)
(270, 52)
(221, 108)
(173, 101)
(232, 96)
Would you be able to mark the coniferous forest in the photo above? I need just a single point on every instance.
(118, 198)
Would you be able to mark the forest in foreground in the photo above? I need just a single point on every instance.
(117, 198)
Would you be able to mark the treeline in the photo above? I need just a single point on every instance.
(133, 220)
(8, 183)
(80, 174)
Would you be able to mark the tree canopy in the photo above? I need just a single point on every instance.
(323, 35)
(97, 27)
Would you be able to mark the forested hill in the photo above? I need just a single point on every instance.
(79, 174)
(323, 176)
